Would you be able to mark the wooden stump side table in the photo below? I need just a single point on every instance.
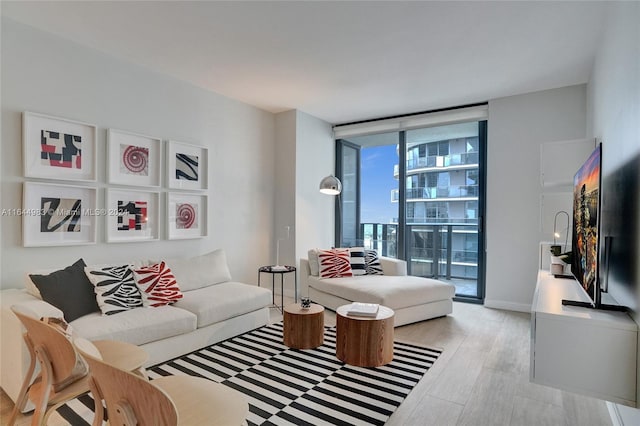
(303, 328)
(364, 341)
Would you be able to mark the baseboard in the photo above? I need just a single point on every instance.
(507, 306)
(616, 420)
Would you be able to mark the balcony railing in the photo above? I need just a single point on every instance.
(433, 161)
(429, 193)
(432, 250)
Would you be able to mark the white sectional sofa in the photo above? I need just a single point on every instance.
(412, 298)
(213, 308)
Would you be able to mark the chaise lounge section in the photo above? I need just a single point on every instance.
(412, 298)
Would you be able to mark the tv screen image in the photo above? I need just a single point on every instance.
(586, 221)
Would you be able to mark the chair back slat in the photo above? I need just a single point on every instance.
(60, 350)
(130, 398)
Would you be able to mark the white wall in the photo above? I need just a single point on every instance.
(614, 110)
(285, 187)
(46, 74)
(315, 159)
(518, 125)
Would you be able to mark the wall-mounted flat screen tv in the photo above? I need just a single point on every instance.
(586, 224)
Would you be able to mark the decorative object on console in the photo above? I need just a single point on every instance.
(133, 215)
(186, 215)
(334, 263)
(133, 159)
(187, 166)
(68, 289)
(58, 148)
(115, 288)
(57, 215)
(555, 248)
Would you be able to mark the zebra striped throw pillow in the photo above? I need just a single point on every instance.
(372, 263)
(335, 263)
(116, 290)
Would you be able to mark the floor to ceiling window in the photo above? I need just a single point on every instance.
(418, 195)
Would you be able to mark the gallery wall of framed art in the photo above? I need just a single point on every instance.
(61, 193)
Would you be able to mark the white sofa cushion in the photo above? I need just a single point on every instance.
(137, 326)
(393, 291)
(223, 301)
(200, 271)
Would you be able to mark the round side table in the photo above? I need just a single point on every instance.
(303, 328)
(364, 341)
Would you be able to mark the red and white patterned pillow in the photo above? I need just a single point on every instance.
(157, 284)
(335, 263)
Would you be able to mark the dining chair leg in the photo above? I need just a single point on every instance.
(22, 399)
(43, 398)
(98, 409)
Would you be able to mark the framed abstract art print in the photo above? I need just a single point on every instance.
(187, 166)
(58, 148)
(186, 215)
(133, 159)
(132, 215)
(58, 215)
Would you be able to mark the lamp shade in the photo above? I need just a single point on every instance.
(331, 185)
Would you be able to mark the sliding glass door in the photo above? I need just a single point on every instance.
(420, 197)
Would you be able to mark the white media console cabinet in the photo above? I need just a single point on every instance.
(581, 350)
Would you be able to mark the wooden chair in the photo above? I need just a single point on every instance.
(172, 400)
(61, 377)
(63, 374)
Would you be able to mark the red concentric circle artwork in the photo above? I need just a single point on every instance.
(185, 216)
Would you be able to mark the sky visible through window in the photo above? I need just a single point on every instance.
(377, 182)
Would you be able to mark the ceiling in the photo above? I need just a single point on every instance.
(340, 61)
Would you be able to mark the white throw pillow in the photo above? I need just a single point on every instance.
(314, 265)
(200, 271)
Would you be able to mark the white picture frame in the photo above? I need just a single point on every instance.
(133, 159)
(187, 166)
(58, 148)
(58, 215)
(186, 215)
(132, 215)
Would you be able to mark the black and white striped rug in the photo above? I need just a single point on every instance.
(288, 386)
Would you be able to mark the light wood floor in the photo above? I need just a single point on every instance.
(481, 378)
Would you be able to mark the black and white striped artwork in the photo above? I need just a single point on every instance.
(187, 167)
(291, 387)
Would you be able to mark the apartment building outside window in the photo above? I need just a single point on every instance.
(432, 217)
